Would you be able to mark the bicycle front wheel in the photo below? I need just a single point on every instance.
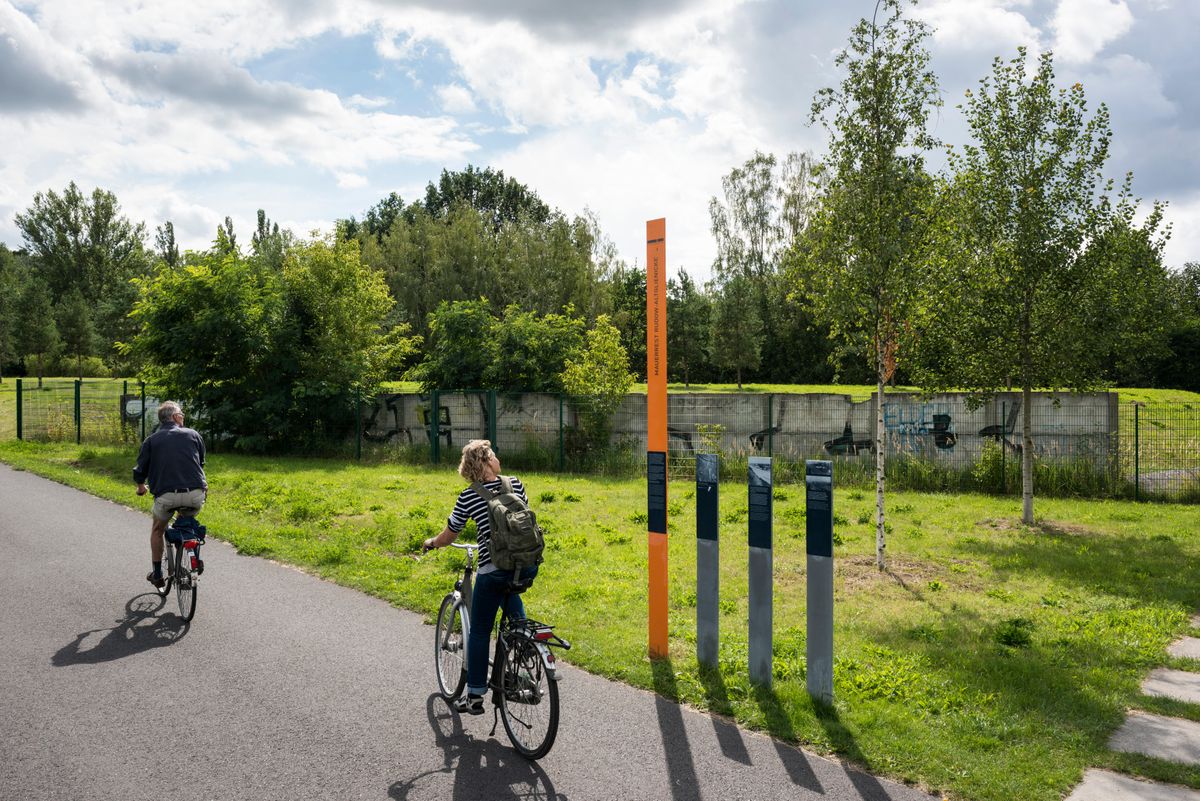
(450, 648)
(185, 585)
(528, 699)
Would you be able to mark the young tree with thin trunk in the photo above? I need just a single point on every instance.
(1044, 268)
(867, 241)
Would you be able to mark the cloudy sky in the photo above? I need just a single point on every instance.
(632, 108)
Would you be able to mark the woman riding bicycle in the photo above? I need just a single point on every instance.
(480, 464)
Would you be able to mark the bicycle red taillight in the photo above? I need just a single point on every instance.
(543, 634)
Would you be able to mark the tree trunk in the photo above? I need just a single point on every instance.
(1027, 456)
(880, 440)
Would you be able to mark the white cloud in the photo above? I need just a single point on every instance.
(456, 99)
(974, 26)
(1083, 28)
(351, 180)
(1184, 216)
(359, 101)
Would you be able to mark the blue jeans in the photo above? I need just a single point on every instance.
(485, 603)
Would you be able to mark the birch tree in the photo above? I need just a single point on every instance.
(867, 240)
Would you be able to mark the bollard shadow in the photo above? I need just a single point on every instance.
(844, 743)
(777, 721)
(729, 736)
(476, 768)
(142, 629)
(681, 767)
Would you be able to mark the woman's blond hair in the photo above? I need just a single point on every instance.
(475, 456)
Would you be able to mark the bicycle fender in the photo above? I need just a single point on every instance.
(548, 660)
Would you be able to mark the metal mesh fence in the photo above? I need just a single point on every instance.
(1083, 444)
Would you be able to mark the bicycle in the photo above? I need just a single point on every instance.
(182, 564)
(524, 678)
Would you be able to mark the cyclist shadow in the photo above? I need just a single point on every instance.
(141, 629)
(481, 768)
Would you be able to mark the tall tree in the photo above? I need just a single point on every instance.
(1040, 253)
(13, 275)
(75, 327)
(268, 244)
(165, 244)
(689, 333)
(735, 319)
(870, 230)
(766, 205)
(85, 242)
(499, 200)
(37, 335)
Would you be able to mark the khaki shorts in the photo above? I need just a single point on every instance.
(166, 504)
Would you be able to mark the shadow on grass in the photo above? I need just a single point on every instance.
(844, 743)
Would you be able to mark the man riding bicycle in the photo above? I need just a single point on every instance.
(480, 465)
(171, 464)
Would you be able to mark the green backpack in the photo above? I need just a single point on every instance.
(516, 539)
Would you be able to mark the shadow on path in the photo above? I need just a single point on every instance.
(480, 768)
(139, 631)
(681, 768)
(777, 721)
(729, 736)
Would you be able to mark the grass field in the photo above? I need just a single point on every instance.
(991, 661)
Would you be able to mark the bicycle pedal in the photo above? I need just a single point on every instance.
(199, 566)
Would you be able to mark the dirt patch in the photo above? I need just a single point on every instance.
(859, 573)
(1054, 529)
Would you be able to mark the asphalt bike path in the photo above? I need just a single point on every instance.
(289, 687)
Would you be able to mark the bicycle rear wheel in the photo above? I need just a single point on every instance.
(528, 699)
(185, 585)
(450, 648)
(168, 564)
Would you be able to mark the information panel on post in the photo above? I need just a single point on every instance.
(656, 432)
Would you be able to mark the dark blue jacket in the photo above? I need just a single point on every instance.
(171, 459)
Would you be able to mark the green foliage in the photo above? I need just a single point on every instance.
(37, 335)
(75, 327)
(1043, 277)
(480, 235)
(689, 329)
(84, 243)
(598, 381)
(13, 275)
(530, 350)
(269, 358)
(737, 328)
(469, 348)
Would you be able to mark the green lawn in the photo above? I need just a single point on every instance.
(992, 661)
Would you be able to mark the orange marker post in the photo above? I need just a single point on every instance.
(656, 430)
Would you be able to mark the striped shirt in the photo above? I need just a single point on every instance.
(472, 506)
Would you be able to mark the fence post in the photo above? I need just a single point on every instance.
(1137, 454)
(770, 425)
(358, 423)
(20, 409)
(1003, 447)
(78, 412)
(561, 453)
(435, 427)
(491, 402)
(143, 385)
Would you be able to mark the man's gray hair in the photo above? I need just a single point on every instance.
(167, 410)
